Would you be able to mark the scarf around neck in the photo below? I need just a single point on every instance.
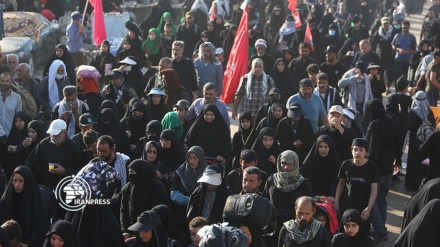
(302, 236)
(72, 123)
(386, 35)
(249, 82)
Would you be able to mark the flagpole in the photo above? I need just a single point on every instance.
(84, 13)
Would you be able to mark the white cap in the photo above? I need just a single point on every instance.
(336, 108)
(128, 60)
(210, 176)
(349, 113)
(219, 51)
(56, 126)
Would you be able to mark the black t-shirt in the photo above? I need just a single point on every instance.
(358, 182)
(334, 73)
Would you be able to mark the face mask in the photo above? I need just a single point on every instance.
(397, 26)
(58, 76)
(133, 178)
(138, 118)
(5, 88)
(128, 68)
(332, 32)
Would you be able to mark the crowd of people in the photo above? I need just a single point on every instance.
(316, 149)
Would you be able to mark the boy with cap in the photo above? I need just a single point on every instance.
(339, 133)
(75, 35)
(295, 132)
(119, 92)
(358, 86)
(248, 158)
(361, 177)
(181, 108)
(85, 123)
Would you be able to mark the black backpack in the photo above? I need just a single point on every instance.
(218, 235)
(248, 209)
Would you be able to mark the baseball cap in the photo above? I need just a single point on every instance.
(86, 119)
(56, 127)
(274, 91)
(116, 73)
(76, 16)
(349, 113)
(359, 65)
(128, 60)
(219, 51)
(295, 111)
(248, 155)
(182, 104)
(336, 108)
(211, 175)
(148, 220)
(372, 66)
(306, 83)
(331, 49)
(156, 91)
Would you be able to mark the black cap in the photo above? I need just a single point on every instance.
(288, 49)
(360, 142)
(331, 49)
(248, 155)
(86, 119)
(356, 19)
(117, 73)
(306, 82)
(360, 65)
(295, 110)
(274, 91)
(148, 220)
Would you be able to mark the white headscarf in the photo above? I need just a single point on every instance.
(199, 4)
(421, 106)
(54, 97)
(287, 28)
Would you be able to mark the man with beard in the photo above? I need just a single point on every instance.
(10, 103)
(209, 97)
(59, 150)
(184, 67)
(366, 55)
(208, 68)
(189, 33)
(311, 104)
(333, 68)
(298, 65)
(304, 230)
(329, 95)
(260, 47)
(107, 153)
(153, 82)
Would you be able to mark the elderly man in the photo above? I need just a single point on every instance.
(24, 79)
(12, 61)
(311, 104)
(208, 68)
(184, 67)
(119, 92)
(307, 230)
(9, 104)
(209, 97)
(69, 109)
(261, 47)
(254, 88)
(154, 82)
(50, 90)
(57, 150)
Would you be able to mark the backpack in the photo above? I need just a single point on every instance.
(423, 132)
(27, 100)
(218, 235)
(248, 209)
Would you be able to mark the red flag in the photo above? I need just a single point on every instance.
(99, 33)
(298, 22)
(292, 5)
(308, 38)
(238, 58)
